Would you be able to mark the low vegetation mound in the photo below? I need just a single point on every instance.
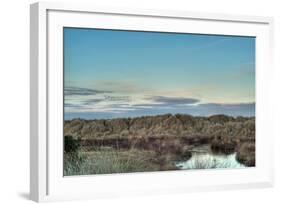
(178, 125)
(246, 154)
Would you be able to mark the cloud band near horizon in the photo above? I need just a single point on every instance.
(96, 104)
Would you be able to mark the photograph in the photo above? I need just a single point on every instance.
(147, 101)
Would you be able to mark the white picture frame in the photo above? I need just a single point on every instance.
(46, 102)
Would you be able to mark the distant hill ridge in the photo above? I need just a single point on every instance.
(168, 125)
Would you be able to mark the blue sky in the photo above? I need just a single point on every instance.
(112, 74)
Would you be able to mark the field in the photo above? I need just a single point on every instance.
(156, 143)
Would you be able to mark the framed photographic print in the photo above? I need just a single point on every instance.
(127, 102)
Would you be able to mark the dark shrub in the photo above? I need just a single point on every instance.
(186, 154)
(71, 145)
(220, 118)
(246, 154)
(223, 145)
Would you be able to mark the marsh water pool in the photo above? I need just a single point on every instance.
(203, 158)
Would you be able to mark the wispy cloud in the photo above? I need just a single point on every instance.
(196, 110)
(82, 91)
(228, 105)
(174, 100)
(93, 100)
(100, 104)
(164, 102)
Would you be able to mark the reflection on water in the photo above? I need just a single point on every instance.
(202, 158)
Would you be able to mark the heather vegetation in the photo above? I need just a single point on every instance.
(154, 143)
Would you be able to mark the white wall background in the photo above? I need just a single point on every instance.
(14, 101)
